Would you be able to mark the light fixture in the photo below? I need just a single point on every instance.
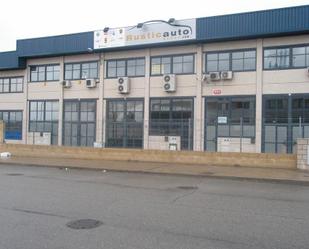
(90, 50)
(171, 20)
(106, 29)
(140, 25)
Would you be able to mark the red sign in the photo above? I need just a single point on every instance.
(216, 91)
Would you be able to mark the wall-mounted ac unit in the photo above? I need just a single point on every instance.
(226, 75)
(214, 76)
(123, 85)
(91, 83)
(169, 82)
(66, 83)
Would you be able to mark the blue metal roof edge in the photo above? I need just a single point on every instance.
(61, 44)
(10, 60)
(263, 23)
(248, 25)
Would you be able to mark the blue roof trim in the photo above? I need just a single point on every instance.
(10, 60)
(264, 23)
(55, 45)
(258, 24)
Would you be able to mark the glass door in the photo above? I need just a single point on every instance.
(125, 123)
(276, 139)
(79, 122)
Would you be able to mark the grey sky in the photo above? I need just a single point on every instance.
(35, 18)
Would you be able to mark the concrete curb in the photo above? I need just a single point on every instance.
(205, 175)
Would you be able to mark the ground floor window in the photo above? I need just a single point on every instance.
(125, 123)
(79, 122)
(228, 117)
(13, 124)
(285, 118)
(172, 117)
(44, 117)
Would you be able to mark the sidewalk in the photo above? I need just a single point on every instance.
(280, 175)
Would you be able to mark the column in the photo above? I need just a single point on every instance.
(26, 107)
(61, 97)
(259, 94)
(100, 108)
(198, 140)
(147, 99)
(2, 128)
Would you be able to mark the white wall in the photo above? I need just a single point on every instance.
(243, 83)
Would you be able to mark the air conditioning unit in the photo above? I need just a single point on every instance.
(226, 75)
(123, 85)
(169, 82)
(66, 83)
(214, 76)
(91, 83)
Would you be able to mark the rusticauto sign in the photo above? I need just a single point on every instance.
(147, 33)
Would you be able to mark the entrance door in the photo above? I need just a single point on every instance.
(125, 123)
(79, 122)
(276, 138)
(285, 118)
(229, 117)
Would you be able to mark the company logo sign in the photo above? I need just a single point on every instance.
(216, 91)
(149, 33)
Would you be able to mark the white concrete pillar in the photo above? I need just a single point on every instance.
(26, 107)
(104, 122)
(100, 105)
(2, 131)
(61, 97)
(147, 99)
(198, 140)
(259, 94)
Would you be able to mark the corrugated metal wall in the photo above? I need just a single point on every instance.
(10, 60)
(254, 24)
(55, 45)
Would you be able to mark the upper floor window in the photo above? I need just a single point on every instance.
(244, 60)
(11, 85)
(286, 57)
(277, 58)
(176, 64)
(44, 73)
(239, 61)
(125, 67)
(77, 71)
(300, 57)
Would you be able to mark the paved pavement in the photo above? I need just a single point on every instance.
(282, 175)
(148, 211)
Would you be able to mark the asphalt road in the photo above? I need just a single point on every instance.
(143, 211)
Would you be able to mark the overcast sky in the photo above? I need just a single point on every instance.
(35, 18)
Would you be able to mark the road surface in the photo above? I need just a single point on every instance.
(144, 211)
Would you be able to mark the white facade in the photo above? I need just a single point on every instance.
(254, 83)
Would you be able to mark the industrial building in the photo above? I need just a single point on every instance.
(236, 82)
